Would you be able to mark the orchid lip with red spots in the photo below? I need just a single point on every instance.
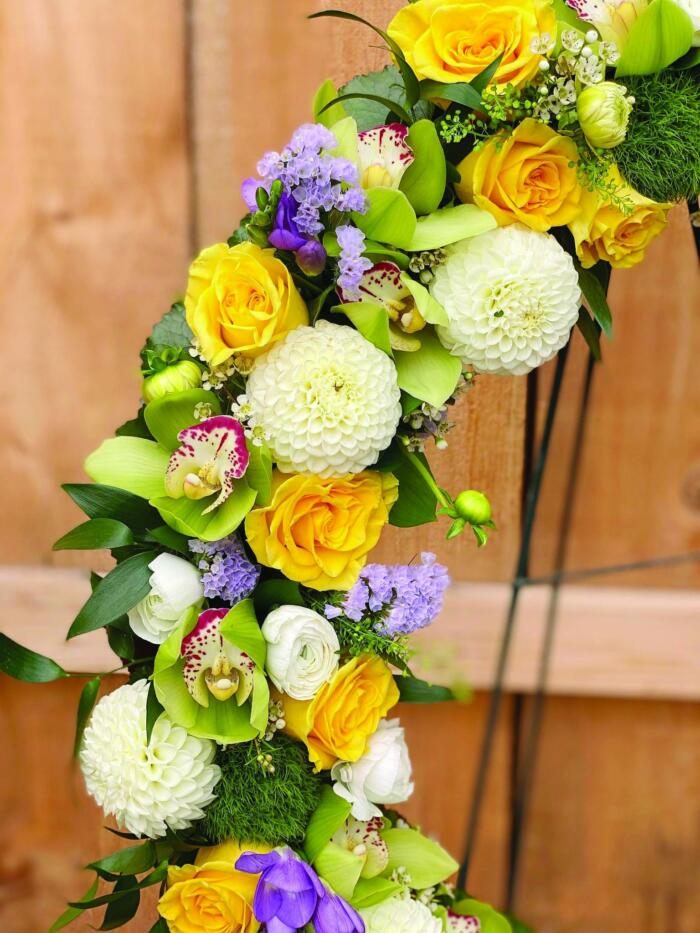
(212, 455)
(213, 665)
(383, 156)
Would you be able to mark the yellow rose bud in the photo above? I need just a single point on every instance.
(603, 112)
(527, 177)
(319, 531)
(212, 895)
(604, 231)
(241, 299)
(176, 378)
(456, 40)
(338, 723)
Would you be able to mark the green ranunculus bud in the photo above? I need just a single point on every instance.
(603, 112)
(176, 378)
(473, 507)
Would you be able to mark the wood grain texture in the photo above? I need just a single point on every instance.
(639, 490)
(93, 243)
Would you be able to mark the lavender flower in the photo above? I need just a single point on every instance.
(227, 572)
(290, 894)
(352, 263)
(404, 597)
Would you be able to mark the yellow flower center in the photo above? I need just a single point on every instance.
(202, 482)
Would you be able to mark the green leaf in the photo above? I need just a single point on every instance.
(414, 690)
(68, 916)
(160, 926)
(187, 516)
(370, 891)
(240, 627)
(417, 502)
(156, 876)
(424, 180)
(483, 79)
(153, 710)
(132, 860)
(426, 862)
(461, 92)
(130, 463)
(371, 320)
(330, 814)
(135, 427)
(385, 84)
(596, 299)
(449, 225)
(95, 534)
(430, 309)
(26, 665)
(121, 639)
(172, 413)
(328, 116)
(389, 217)
(490, 920)
(431, 373)
(389, 104)
(123, 587)
(170, 539)
(172, 330)
(339, 868)
(271, 593)
(86, 704)
(661, 34)
(259, 472)
(688, 61)
(590, 333)
(109, 502)
(122, 910)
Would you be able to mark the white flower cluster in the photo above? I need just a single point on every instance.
(400, 915)
(175, 586)
(327, 398)
(302, 651)
(512, 297)
(152, 786)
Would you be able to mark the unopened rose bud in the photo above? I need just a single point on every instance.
(603, 112)
(176, 378)
(473, 506)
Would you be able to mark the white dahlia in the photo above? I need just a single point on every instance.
(327, 398)
(147, 787)
(400, 915)
(512, 297)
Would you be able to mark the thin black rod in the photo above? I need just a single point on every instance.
(585, 573)
(530, 510)
(528, 762)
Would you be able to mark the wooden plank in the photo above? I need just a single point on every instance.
(255, 69)
(93, 243)
(610, 641)
(639, 489)
(612, 841)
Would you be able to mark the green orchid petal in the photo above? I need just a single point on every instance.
(424, 180)
(430, 374)
(259, 472)
(430, 309)
(449, 225)
(371, 320)
(490, 920)
(426, 862)
(187, 515)
(662, 33)
(339, 868)
(389, 218)
(172, 413)
(330, 814)
(131, 463)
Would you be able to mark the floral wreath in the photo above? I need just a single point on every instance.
(455, 214)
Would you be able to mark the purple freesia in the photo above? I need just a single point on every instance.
(248, 190)
(290, 894)
(311, 257)
(285, 234)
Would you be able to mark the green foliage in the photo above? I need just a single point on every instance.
(659, 158)
(172, 413)
(414, 690)
(255, 806)
(124, 586)
(86, 703)
(24, 664)
(99, 501)
(417, 501)
(387, 84)
(596, 299)
(96, 534)
(171, 331)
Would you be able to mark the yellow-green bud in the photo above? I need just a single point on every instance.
(176, 378)
(473, 506)
(603, 112)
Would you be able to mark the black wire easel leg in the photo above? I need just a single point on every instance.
(532, 498)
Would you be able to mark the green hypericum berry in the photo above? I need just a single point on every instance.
(473, 506)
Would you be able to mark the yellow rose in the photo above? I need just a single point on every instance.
(526, 177)
(603, 231)
(241, 299)
(338, 723)
(454, 40)
(319, 531)
(211, 895)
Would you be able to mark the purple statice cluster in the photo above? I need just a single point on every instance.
(315, 180)
(351, 263)
(226, 571)
(404, 597)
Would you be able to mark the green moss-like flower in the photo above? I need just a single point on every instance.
(257, 805)
(659, 158)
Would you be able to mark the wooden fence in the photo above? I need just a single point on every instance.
(127, 128)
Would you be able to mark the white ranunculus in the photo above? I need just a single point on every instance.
(175, 586)
(302, 650)
(400, 915)
(382, 775)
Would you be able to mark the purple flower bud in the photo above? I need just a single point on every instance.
(248, 189)
(311, 257)
(285, 234)
(334, 915)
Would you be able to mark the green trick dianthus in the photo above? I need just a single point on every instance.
(256, 804)
(660, 156)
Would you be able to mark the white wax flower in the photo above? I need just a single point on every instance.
(147, 786)
(400, 915)
(302, 651)
(382, 775)
(175, 586)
